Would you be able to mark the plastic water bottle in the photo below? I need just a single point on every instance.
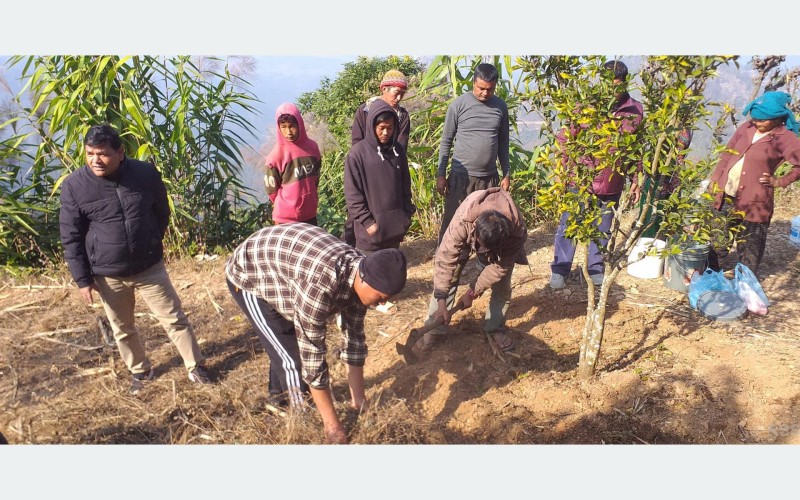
(794, 232)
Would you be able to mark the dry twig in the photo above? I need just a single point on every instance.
(72, 344)
(494, 348)
(94, 371)
(217, 307)
(16, 383)
(50, 333)
(19, 307)
(38, 287)
(29, 308)
(275, 410)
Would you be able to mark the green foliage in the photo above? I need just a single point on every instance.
(332, 209)
(26, 227)
(168, 111)
(576, 98)
(672, 88)
(442, 82)
(446, 78)
(335, 103)
(529, 180)
(24, 215)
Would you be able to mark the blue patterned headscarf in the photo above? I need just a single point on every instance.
(773, 105)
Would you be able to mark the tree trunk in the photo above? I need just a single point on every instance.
(593, 329)
(592, 340)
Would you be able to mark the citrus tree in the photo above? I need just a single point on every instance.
(577, 95)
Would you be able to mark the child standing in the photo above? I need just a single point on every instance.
(293, 167)
(377, 184)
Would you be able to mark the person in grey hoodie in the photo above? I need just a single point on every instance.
(377, 184)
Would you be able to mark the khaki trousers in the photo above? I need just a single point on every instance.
(119, 302)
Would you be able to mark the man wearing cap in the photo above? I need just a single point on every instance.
(288, 279)
(393, 88)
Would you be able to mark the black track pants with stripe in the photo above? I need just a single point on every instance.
(277, 335)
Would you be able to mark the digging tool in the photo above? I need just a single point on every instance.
(415, 334)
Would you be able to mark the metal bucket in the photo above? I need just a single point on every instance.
(678, 268)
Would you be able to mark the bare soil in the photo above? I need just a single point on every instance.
(665, 375)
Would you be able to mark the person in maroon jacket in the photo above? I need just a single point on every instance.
(744, 179)
(607, 187)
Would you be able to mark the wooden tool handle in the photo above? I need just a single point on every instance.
(437, 322)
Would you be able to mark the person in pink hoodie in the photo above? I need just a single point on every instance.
(293, 167)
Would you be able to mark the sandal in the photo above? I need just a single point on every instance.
(503, 341)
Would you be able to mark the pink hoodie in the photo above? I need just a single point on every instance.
(292, 174)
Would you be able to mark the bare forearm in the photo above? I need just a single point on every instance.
(334, 431)
(355, 378)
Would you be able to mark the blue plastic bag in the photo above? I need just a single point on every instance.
(709, 280)
(743, 274)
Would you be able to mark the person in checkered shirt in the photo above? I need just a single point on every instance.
(288, 279)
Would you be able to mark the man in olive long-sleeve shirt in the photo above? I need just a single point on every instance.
(478, 123)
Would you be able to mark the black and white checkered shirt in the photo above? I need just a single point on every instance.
(306, 274)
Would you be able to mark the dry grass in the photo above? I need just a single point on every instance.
(60, 383)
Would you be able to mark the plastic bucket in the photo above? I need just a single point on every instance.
(646, 266)
(678, 268)
(794, 232)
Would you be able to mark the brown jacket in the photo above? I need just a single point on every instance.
(459, 240)
(756, 200)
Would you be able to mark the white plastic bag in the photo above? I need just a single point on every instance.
(750, 298)
(743, 274)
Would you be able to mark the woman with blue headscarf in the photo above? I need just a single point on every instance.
(744, 178)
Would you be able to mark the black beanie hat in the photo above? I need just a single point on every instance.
(384, 270)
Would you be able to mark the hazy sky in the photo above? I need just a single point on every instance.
(277, 79)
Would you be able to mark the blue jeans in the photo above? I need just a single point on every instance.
(564, 250)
